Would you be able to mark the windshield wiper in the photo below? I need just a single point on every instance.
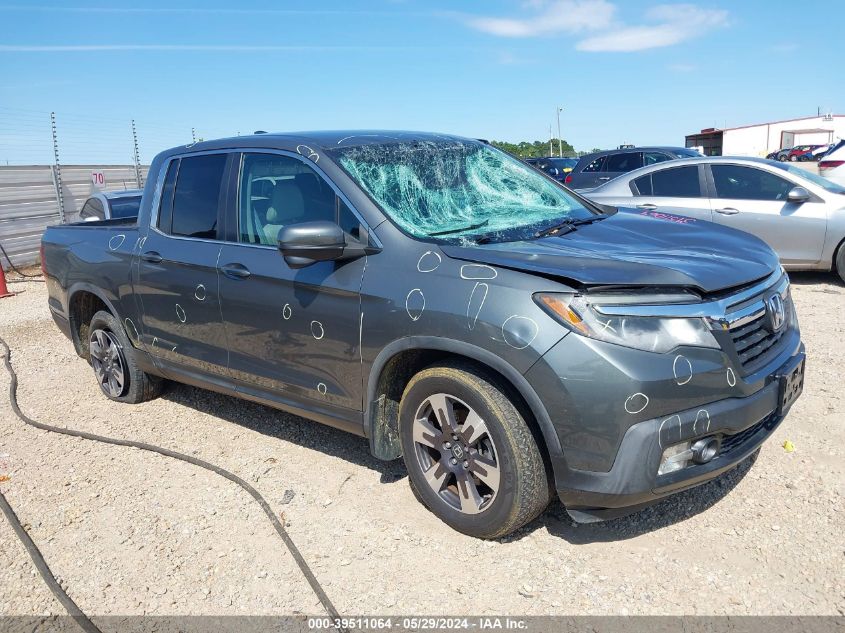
(459, 230)
(569, 225)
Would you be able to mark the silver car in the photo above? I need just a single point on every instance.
(801, 215)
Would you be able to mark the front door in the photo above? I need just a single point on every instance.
(293, 334)
(755, 200)
(177, 269)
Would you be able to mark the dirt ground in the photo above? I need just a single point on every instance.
(128, 532)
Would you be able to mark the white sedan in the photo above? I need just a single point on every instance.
(800, 215)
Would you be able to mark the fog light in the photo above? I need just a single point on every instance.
(675, 457)
(705, 450)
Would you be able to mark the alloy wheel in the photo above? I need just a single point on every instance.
(108, 362)
(456, 453)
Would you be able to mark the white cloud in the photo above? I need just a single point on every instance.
(677, 23)
(555, 16)
(666, 24)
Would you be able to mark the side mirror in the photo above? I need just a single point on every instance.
(797, 195)
(310, 242)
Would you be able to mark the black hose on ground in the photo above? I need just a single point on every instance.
(16, 269)
(38, 559)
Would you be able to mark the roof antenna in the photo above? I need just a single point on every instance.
(260, 132)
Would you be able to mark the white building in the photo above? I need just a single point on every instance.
(763, 138)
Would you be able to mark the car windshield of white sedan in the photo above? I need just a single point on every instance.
(455, 188)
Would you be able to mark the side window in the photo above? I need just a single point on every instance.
(93, 208)
(643, 185)
(596, 165)
(747, 183)
(165, 209)
(276, 191)
(680, 182)
(197, 196)
(652, 158)
(624, 162)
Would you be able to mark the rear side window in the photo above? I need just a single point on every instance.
(165, 210)
(625, 162)
(197, 195)
(679, 182)
(596, 165)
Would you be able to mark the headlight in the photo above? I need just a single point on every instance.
(652, 334)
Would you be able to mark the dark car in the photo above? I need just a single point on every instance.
(433, 294)
(105, 205)
(596, 169)
(556, 167)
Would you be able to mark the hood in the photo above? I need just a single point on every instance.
(637, 248)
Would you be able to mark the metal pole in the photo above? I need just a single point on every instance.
(559, 140)
(57, 170)
(137, 158)
(551, 151)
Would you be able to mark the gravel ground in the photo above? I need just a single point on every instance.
(128, 532)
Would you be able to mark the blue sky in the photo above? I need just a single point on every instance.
(624, 71)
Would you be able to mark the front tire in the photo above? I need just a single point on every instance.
(113, 359)
(471, 457)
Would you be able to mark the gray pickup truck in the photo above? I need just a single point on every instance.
(503, 335)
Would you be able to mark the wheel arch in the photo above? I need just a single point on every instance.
(84, 301)
(403, 358)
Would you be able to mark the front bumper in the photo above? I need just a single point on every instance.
(632, 483)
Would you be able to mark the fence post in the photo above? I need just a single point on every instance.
(137, 158)
(57, 170)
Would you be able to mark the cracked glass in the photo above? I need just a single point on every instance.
(454, 188)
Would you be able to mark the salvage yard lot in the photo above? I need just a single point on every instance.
(129, 532)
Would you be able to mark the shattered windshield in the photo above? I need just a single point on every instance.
(453, 188)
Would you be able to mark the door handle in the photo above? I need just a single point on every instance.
(604, 177)
(152, 257)
(728, 211)
(650, 207)
(235, 271)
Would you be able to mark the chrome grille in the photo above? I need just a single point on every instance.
(754, 342)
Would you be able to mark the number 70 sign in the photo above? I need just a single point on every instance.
(98, 179)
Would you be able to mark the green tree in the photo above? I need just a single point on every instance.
(535, 149)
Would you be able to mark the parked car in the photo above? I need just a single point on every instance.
(555, 167)
(793, 153)
(821, 151)
(595, 169)
(775, 155)
(800, 215)
(106, 205)
(832, 164)
(439, 297)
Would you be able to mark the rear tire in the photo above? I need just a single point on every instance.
(114, 362)
(840, 261)
(471, 457)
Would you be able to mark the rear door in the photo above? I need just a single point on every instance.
(293, 334)
(678, 190)
(755, 200)
(177, 268)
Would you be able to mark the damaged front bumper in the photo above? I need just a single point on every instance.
(741, 425)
